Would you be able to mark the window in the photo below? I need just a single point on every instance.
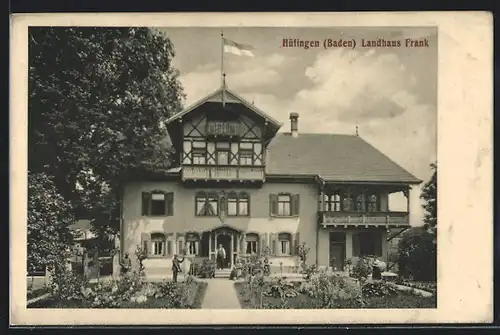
(360, 202)
(157, 203)
(252, 243)
(246, 157)
(158, 244)
(284, 205)
(238, 204)
(367, 243)
(192, 241)
(207, 204)
(372, 205)
(222, 149)
(199, 156)
(334, 202)
(347, 202)
(284, 240)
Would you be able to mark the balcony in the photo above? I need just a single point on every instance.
(217, 173)
(367, 219)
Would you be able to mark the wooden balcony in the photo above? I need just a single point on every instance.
(366, 219)
(231, 173)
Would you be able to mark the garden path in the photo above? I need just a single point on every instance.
(220, 294)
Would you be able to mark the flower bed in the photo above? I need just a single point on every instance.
(129, 291)
(328, 292)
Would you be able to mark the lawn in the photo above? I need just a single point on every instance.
(194, 301)
(303, 301)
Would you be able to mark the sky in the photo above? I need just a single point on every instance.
(389, 93)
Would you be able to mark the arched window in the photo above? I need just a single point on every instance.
(372, 205)
(158, 244)
(252, 243)
(285, 240)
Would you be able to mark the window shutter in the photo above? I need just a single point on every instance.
(355, 245)
(169, 203)
(145, 243)
(263, 241)
(273, 204)
(274, 244)
(296, 244)
(146, 197)
(169, 248)
(295, 204)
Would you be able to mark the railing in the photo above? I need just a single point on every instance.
(364, 218)
(222, 173)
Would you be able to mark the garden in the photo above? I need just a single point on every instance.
(323, 290)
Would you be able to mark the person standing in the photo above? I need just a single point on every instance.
(221, 256)
(176, 267)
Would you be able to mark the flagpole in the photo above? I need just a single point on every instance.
(223, 75)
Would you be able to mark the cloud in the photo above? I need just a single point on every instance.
(340, 90)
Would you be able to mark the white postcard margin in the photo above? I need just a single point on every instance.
(465, 176)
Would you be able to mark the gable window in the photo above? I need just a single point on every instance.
(157, 203)
(334, 202)
(238, 204)
(372, 204)
(252, 243)
(206, 204)
(246, 157)
(347, 202)
(222, 153)
(284, 204)
(360, 202)
(199, 156)
(158, 244)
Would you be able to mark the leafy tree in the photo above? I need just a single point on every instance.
(49, 216)
(429, 194)
(98, 98)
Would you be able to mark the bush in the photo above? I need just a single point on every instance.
(417, 256)
(280, 288)
(206, 269)
(378, 289)
(362, 268)
(67, 285)
(330, 291)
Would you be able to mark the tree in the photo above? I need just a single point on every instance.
(49, 216)
(429, 194)
(98, 98)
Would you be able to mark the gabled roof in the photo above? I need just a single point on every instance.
(230, 97)
(333, 157)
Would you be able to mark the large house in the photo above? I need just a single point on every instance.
(241, 184)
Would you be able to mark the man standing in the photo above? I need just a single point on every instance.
(176, 267)
(221, 256)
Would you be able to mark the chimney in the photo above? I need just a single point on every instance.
(294, 126)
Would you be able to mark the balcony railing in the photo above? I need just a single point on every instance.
(381, 219)
(223, 173)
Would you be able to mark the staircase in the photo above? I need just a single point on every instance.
(222, 273)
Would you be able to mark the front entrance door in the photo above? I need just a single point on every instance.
(225, 241)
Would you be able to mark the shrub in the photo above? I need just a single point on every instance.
(362, 268)
(417, 256)
(280, 288)
(67, 285)
(206, 269)
(308, 270)
(330, 291)
(378, 288)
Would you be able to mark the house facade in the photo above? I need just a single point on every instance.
(242, 184)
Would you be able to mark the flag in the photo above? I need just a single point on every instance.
(237, 49)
